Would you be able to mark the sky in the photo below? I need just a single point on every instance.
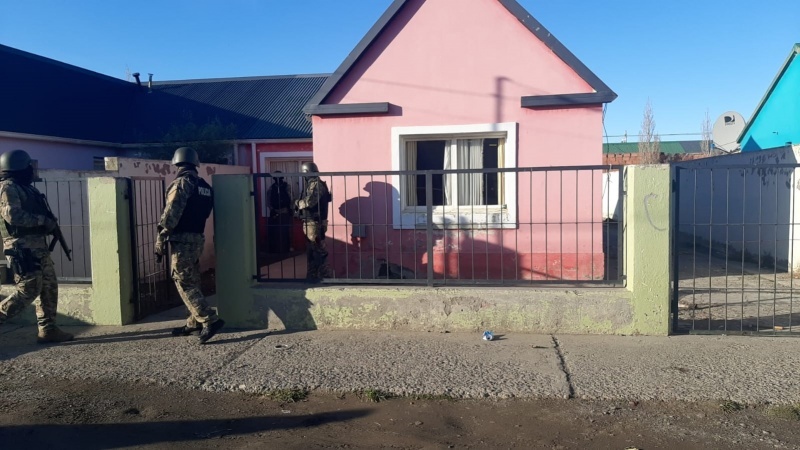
(688, 58)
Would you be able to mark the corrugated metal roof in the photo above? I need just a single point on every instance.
(45, 97)
(667, 147)
(42, 96)
(259, 108)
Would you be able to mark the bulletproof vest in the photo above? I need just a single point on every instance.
(198, 207)
(32, 203)
(320, 212)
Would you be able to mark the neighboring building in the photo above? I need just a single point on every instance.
(71, 118)
(627, 153)
(776, 120)
(435, 84)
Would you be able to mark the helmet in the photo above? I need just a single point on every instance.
(309, 167)
(14, 161)
(277, 175)
(185, 155)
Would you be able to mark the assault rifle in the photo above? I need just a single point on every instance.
(58, 236)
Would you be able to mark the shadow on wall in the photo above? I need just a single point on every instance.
(366, 246)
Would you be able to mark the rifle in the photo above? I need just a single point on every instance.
(58, 236)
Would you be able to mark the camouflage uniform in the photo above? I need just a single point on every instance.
(186, 247)
(312, 208)
(23, 210)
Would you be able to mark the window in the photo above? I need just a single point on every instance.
(99, 163)
(461, 200)
(462, 189)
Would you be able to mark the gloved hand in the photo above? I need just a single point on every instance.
(159, 250)
(50, 225)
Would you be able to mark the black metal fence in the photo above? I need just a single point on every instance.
(68, 200)
(736, 249)
(153, 285)
(518, 226)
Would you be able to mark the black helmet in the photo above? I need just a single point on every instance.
(14, 161)
(277, 176)
(185, 155)
(309, 167)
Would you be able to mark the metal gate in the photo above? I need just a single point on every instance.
(735, 230)
(152, 284)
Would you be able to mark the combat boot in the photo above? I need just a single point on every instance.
(52, 335)
(210, 330)
(186, 330)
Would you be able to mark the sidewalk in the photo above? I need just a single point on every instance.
(461, 365)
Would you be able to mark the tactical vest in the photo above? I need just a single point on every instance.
(32, 203)
(320, 211)
(198, 208)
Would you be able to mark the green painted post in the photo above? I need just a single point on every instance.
(647, 240)
(235, 247)
(110, 236)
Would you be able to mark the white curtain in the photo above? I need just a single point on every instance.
(470, 185)
(411, 180)
(449, 180)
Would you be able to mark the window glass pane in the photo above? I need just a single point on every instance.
(430, 156)
(491, 160)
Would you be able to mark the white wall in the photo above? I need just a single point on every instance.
(753, 207)
(612, 206)
(56, 154)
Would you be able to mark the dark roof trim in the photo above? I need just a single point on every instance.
(607, 95)
(594, 98)
(348, 108)
(355, 55)
(795, 51)
(558, 48)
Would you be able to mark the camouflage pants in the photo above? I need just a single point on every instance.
(39, 283)
(186, 273)
(316, 254)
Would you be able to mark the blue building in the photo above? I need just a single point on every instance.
(776, 120)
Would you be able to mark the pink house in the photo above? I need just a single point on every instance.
(442, 85)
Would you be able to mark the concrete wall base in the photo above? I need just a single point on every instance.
(74, 306)
(502, 310)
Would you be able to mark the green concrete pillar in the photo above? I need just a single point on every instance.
(110, 235)
(647, 241)
(235, 247)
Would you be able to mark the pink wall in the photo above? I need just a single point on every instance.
(443, 63)
(132, 167)
(58, 155)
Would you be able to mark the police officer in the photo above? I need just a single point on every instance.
(279, 198)
(312, 207)
(26, 222)
(189, 203)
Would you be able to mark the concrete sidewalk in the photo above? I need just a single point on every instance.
(461, 365)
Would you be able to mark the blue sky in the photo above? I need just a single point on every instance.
(687, 57)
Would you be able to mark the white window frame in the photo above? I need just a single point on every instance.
(467, 217)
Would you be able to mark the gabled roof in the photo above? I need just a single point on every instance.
(44, 97)
(602, 93)
(269, 107)
(41, 96)
(795, 51)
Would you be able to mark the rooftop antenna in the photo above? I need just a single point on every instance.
(136, 75)
(726, 130)
(150, 83)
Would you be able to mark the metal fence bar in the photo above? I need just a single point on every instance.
(729, 220)
(470, 236)
(68, 200)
